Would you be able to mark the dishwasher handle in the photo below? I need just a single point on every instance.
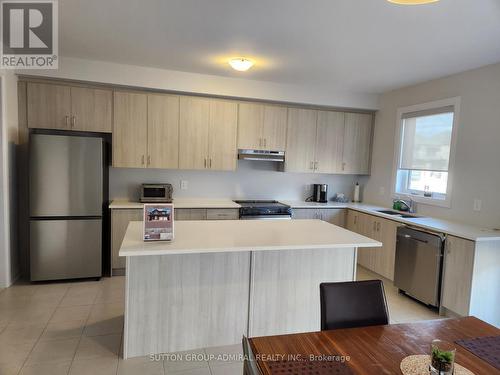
(408, 237)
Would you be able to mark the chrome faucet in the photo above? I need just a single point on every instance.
(410, 204)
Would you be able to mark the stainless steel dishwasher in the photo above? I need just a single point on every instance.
(419, 260)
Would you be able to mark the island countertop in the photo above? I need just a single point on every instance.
(243, 235)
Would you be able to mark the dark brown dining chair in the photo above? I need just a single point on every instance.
(353, 304)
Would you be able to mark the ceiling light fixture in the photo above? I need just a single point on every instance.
(412, 2)
(241, 64)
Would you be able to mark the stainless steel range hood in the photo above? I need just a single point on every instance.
(261, 155)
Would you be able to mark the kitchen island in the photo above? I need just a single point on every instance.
(218, 280)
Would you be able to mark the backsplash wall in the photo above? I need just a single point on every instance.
(252, 180)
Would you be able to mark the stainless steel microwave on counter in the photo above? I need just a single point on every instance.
(156, 193)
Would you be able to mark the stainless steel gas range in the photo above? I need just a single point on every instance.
(263, 210)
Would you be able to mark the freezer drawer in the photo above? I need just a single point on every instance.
(418, 264)
(65, 249)
(66, 176)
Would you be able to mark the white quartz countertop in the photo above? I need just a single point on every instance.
(214, 236)
(180, 203)
(436, 225)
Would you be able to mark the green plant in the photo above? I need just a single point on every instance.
(442, 359)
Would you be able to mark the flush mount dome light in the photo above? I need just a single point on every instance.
(241, 64)
(412, 2)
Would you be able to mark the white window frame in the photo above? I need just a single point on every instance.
(437, 199)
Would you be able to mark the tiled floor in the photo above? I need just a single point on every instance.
(402, 309)
(77, 329)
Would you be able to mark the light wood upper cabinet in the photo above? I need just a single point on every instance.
(49, 106)
(250, 123)
(163, 131)
(301, 140)
(69, 108)
(274, 128)
(457, 274)
(262, 127)
(329, 142)
(357, 143)
(91, 109)
(193, 132)
(207, 135)
(222, 153)
(130, 128)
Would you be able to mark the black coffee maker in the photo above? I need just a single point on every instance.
(320, 193)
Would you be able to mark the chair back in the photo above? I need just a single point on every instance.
(353, 304)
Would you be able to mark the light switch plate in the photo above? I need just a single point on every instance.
(184, 184)
(478, 203)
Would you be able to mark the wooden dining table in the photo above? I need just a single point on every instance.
(376, 349)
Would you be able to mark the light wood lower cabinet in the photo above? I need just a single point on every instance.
(457, 274)
(336, 216)
(223, 214)
(190, 214)
(379, 260)
(120, 219)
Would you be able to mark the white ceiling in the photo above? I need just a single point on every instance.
(358, 45)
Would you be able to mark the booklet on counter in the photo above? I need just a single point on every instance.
(158, 222)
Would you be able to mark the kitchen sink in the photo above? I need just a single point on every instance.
(398, 214)
(388, 212)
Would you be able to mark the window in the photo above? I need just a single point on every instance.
(425, 151)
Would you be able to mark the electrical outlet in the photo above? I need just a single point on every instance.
(184, 184)
(478, 203)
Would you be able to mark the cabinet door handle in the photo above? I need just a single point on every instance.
(343, 166)
(142, 160)
(378, 227)
(265, 142)
(149, 159)
(316, 165)
(73, 121)
(260, 142)
(311, 166)
(355, 220)
(210, 163)
(66, 120)
(205, 163)
(374, 226)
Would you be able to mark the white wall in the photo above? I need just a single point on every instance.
(9, 257)
(252, 180)
(162, 79)
(477, 160)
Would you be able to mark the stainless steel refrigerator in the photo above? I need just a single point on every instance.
(66, 206)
